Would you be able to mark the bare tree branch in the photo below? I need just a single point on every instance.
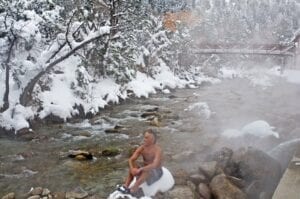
(56, 52)
(25, 97)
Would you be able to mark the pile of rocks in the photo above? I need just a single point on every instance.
(244, 174)
(44, 193)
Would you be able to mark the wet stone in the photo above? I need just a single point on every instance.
(180, 192)
(36, 191)
(74, 195)
(180, 177)
(110, 152)
(197, 178)
(204, 191)
(34, 197)
(45, 192)
(208, 168)
(59, 195)
(80, 155)
(9, 196)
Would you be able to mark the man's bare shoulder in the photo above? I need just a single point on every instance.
(140, 149)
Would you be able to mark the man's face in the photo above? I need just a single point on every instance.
(148, 139)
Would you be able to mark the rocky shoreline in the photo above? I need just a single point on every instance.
(248, 173)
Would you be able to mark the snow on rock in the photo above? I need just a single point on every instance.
(16, 117)
(257, 128)
(201, 108)
(226, 72)
(166, 78)
(143, 85)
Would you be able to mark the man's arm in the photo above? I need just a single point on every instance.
(156, 162)
(134, 157)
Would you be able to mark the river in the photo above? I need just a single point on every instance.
(191, 122)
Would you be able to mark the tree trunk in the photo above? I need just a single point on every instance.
(25, 97)
(7, 68)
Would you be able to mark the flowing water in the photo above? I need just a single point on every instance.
(190, 125)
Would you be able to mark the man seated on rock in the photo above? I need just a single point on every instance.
(151, 171)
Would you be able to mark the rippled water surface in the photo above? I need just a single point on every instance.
(190, 125)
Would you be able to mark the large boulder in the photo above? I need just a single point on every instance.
(256, 165)
(223, 157)
(209, 169)
(284, 152)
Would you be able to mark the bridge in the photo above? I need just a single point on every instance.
(256, 49)
(291, 50)
(244, 51)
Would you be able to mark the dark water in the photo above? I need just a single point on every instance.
(188, 131)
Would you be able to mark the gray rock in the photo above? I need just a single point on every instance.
(240, 183)
(45, 192)
(71, 195)
(9, 196)
(59, 195)
(36, 191)
(223, 157)
(204, 191)
(253, 190)
(180, 177)
(191, 185)
(34, 197)
(222, 188)
(208, 169)
(180, 192)
(257, 165)
(284, 152)
(197, 178)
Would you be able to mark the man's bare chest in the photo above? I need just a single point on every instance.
(148, 155)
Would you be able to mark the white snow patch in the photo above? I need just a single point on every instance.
(201, 108)
(143, 85)
(16, 117)
(257, 128)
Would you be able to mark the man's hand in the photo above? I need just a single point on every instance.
(136, 171)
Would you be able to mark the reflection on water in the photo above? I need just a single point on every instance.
(191, 122)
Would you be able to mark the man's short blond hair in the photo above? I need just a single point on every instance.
(150, 131)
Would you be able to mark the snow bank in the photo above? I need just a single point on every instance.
(143, 85)
(16, 117)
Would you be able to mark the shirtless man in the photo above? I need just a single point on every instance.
(151, 169)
